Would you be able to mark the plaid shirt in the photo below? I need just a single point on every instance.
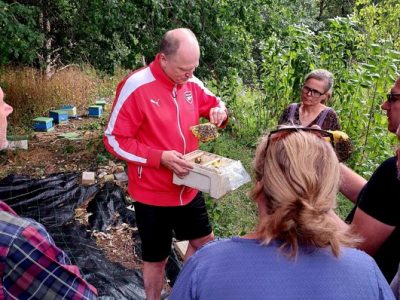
(31, 266)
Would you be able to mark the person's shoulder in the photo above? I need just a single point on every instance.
(12, 228)
(386, 170)
(331, 111)
(389, 163)
(194, 81)
(355, 254)
(217, 242)
(16, 226)
(219, 245)
(136, 79)
(141, 75)
(10, 219)
(294, 106)
(355, 257)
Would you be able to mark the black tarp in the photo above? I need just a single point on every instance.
(52, 201)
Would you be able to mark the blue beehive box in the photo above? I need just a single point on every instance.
(95, 111)
(59, 116)
(101, 101)
(43, 124)
(70, 109)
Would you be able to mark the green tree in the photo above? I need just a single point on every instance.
(21, 36)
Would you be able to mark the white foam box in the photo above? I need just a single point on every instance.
(205, 175)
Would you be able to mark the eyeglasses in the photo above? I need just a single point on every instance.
(392, 97)
(281, 133)
(314, 93)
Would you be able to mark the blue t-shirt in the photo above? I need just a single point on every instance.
(238, 268)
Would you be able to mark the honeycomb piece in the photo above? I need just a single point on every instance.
(205, 132)
(343, 145)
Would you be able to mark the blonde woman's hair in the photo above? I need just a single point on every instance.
(298, 179)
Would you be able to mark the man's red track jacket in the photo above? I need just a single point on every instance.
(151, 114)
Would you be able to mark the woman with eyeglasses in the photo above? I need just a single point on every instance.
(300, 249)
(312, 111)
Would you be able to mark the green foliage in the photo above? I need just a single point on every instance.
(363, 76)
(380, 21)
(109, 34)
(255, 55)
(21, 37)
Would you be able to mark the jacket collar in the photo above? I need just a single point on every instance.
(159, 74)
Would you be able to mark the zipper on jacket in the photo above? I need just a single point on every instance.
(139, 171)
(175, 96)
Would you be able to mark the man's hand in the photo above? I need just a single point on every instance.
(218, 115)
(173, 160)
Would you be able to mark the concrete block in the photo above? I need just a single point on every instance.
(22, 144)
(88, 178)
(121, 177)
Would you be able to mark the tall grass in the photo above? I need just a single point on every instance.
(32, 95)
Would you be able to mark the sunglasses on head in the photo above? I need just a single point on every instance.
(282, 133)
(392, 97)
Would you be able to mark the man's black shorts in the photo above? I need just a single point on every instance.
(156, 224)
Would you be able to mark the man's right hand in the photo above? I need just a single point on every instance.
(173, 160)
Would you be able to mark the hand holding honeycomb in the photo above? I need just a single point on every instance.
(205, 132)
(343, 145)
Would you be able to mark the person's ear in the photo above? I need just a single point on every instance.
(163, 60)
(325, 98)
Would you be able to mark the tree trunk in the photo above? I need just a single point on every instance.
(321, 9)
(49, 56)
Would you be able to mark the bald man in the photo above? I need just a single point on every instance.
(376, 217)
(149, 128)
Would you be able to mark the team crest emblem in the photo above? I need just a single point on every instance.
(188, 96)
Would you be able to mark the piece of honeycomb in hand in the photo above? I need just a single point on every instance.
(343, 145)
(205, 132)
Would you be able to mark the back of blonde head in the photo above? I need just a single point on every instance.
(298, 179)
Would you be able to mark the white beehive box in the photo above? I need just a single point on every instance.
(208, 173)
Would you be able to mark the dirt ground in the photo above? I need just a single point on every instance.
(49, 152)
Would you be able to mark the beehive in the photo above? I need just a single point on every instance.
(207, 175)
(95, 111)
(43, 124)
(59, 116)
(102, 102)
(70, 109)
